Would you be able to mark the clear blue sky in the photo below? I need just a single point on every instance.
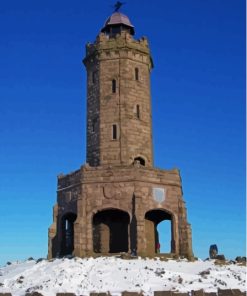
(198, 103)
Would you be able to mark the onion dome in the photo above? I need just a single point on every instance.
(116, 23)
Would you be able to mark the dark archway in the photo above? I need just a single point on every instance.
(110, 231)
(140, 159)
(154, 236)
(68, 233)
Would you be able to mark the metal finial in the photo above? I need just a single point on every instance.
(118, 5)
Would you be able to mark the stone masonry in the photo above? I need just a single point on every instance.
(114, 202)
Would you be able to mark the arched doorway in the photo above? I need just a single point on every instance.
(156, 239)
(68, 233)
(110, 231)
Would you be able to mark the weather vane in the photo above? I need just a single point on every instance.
(118, 5)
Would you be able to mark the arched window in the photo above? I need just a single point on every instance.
(114, 132)
(138, 111)
(114, 86)
(141, 160)
(136, 74)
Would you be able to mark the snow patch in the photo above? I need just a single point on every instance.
(115, 275)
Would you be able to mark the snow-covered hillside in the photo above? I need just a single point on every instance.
(115, 275)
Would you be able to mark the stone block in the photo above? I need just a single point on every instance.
(5, 294)
(99, 294)
(197, 293)
(65, 294)
(220, 257)
(125, 293)
(33, 294)
(225, 292)
(162, 293)
(237, 292)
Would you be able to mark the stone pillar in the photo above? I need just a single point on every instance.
(140, 226)
(104, 232)
(52, 232)
(185, 237)
(80, 238)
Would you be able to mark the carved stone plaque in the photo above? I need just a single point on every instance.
(159, 194)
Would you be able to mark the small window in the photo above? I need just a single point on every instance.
(136, 74)
(140, 160)
(114, 132)
(94, 76)
(94, 124)
(114, 86)
(138, 111)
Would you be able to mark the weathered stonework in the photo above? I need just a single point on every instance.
(114, 202)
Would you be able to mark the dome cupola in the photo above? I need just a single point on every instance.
(117, 23)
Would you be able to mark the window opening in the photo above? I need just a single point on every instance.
(141, 160)
(136, 74)
(114, 132)
(94, 124)
(94, 76)
(138, 111)
(114, 86)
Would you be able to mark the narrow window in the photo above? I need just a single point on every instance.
(114, 132)
(138, 111)
(94, 76)
(94, 124)
(136, 74)
(113, 86)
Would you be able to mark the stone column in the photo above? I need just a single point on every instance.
(52, 232)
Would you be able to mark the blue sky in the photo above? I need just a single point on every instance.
(198, 104)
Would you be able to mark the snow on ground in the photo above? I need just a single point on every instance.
(82, 276)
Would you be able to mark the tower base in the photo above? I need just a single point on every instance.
(108, 210)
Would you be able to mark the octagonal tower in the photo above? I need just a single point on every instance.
(115, 202)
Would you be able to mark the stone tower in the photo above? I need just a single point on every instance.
(115, 201)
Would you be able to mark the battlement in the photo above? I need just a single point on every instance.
(122, 41)
(65, 181)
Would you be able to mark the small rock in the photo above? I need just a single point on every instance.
(213, 251)
(30, 259)
(240, 259)
(220, 257)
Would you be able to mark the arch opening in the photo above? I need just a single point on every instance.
(140, 160)
(68, 233)
(159, 232)
(111, 231)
